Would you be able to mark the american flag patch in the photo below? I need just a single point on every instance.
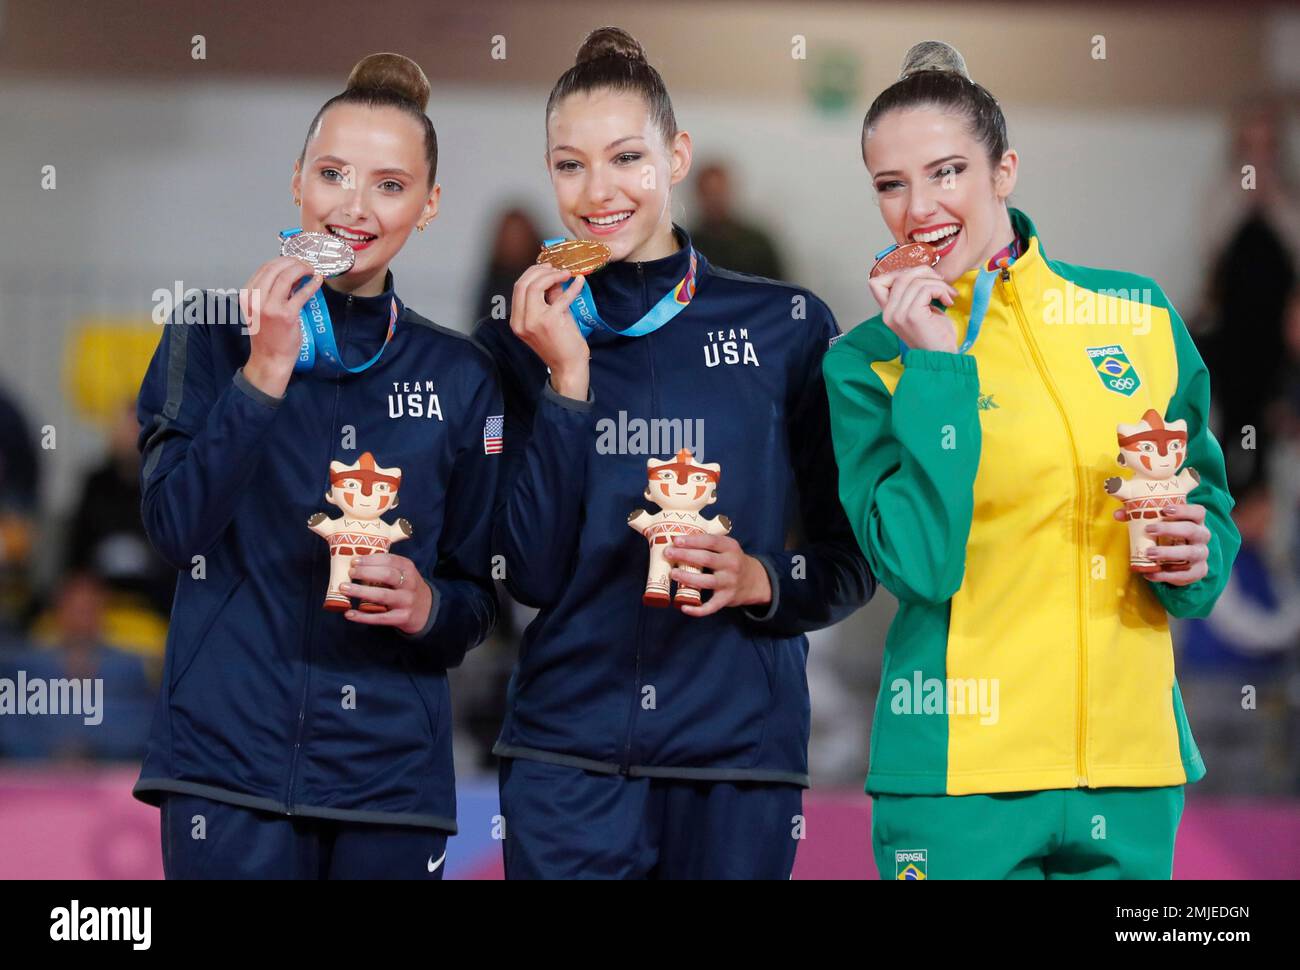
(492, 434)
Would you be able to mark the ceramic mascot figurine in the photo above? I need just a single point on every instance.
(680, 487)
(364, 491)
(1156, 452)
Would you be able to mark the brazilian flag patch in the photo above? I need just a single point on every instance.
(1115, 370)
(911, 864)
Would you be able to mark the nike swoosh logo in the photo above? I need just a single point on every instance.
(433, 866)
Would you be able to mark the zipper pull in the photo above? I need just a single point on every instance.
(1006, 276)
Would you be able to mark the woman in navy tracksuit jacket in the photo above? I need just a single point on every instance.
(641, 741)
(291, 742)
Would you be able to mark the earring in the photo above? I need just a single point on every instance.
(297, 201)
(420, 227)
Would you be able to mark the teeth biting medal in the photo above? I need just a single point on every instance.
(582, 257)
(903, 257)
(924, 254)
(328, 254)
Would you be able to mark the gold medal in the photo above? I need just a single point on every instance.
(579, 256)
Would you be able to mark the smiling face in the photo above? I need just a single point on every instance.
(613, 174)
(1149, 460)
(364, 179)
(360, 502)
(689, 496)
(680, 484)
(1154, 448)
(935, 183)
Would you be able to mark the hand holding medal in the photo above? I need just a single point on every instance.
(272, 302)
(904, 282)
(271, 309)
(539, 315)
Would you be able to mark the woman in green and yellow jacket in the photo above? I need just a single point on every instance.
(1029, 724)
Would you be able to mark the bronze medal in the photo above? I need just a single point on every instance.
(903, 257)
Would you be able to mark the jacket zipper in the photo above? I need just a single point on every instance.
(313, 612)
(640, 616)
(1081, 730)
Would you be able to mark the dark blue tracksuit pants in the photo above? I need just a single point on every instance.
(567, 823)
(243, 843)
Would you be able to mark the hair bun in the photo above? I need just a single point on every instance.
(610, 42)
(933, 55)
(391, 72)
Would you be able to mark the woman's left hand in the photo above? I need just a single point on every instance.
(391, 581)
(735, 578)
(1180, 522)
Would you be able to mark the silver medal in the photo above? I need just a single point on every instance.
(330, 255)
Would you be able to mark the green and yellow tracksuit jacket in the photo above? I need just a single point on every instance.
(1025, 655)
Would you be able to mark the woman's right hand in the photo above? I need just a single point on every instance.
(539, 316)
(904, 297)
(271, 312)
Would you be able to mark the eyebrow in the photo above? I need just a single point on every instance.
(935, 164)
(335, 160)
(570, 148)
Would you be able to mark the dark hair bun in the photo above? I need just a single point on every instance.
(933, 55)
(610, 42)
(391, 72)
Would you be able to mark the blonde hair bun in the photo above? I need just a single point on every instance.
(933, 55)
(391, 72)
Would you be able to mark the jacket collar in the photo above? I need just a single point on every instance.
(625, 291)
(368, 312)
(1032, 255)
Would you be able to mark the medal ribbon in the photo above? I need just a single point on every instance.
(316, 328)
(586, 316)
(979, 304)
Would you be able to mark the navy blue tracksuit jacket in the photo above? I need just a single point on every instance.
(604, 683)
(254, 709)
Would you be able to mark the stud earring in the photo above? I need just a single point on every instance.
(297, 201)
(420, 227)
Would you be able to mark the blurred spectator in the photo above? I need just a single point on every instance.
(725, 239)
(106, 534)
(1253, 230)
(119, 704)
(1284, 465)
(514, 249)
(1236, 663)
(19, 479)
(1287, 414)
